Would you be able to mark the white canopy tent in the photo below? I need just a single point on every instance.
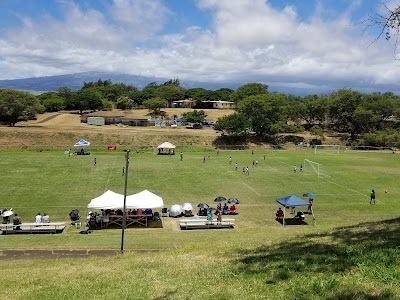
(112, 200)
(144, 199)
(108, 200)
(166, 148)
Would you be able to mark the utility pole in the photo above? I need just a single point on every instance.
(124, 209)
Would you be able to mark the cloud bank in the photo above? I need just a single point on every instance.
(247, 40)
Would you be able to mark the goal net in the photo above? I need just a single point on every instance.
(313, 167)
(327, 149)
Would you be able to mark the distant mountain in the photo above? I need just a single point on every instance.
(76, 81)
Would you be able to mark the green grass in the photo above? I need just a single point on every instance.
(351, 252)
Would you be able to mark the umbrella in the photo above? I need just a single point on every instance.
(187, 206)
(7, 213)
(203, 205)
(220, 199)
(233, 201)
(309, 194)
(175, 210)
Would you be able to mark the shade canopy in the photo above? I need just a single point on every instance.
(112, 200)
(82, 143)
(108, 200)
(292, 201)
(144, 199)
(166, 145)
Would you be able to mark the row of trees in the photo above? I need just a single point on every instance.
(366, 118)
(259, 112)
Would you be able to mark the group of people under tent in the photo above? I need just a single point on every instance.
(101, 220)
(300, 215)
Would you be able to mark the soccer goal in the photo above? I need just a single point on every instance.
(315, 168)
(327, 149)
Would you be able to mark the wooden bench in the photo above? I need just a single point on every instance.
(206, 224)
(32, 228)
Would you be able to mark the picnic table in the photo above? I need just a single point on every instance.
(206, 224)
(52, 227)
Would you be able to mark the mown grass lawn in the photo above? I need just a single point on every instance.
(351, 252)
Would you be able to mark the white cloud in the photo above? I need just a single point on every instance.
(140, 18)
(249, 41)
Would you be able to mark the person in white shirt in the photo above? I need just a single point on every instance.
(38, 219)
(45, 218)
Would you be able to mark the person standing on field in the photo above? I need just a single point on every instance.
(181, 155)
(94, 161)
(372, 200)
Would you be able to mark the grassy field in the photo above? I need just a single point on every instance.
(351, 252)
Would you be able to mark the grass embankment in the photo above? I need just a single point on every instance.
(351, 253)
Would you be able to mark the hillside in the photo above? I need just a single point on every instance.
(63, 130)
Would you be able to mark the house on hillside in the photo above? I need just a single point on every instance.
(215, 105)
(137, 121)
(187, 103)
(116, 117)
(110, 117)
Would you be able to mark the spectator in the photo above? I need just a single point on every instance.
(225, 209)
(45, 218)
(38, 219)
(279, 214)
(17, 221)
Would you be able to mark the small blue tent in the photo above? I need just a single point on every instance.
(291, 201)
(82, 143)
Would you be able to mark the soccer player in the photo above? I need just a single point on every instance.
(372, 200)
(295, 168)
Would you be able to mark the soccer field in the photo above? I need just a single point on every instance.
(54, 183)
(350, 253)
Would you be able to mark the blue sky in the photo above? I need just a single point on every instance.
(309, 43)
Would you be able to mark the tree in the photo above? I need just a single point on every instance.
(316, 109)
(196, 116)
(87, 99)
(263, 111)
(170, 93)
(235, 124)
(65, 93)
(348, 114)
(52, 101)
(223, 94)
(200, 94)
(250, 89)
(124, 102)
(388, 23)
(143, 95)
(18, 106)
(154, 105)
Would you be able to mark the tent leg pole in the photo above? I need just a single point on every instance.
(284, 216)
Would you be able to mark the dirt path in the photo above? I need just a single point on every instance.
(46, 254)
(47, 119)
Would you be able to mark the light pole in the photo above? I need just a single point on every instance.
(124, 209)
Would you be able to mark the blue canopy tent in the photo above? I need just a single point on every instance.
(82, 143)
(290, 201)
